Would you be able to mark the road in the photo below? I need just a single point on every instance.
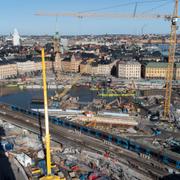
(76, 139)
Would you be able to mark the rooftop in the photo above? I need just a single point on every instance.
(129, 62)
(157, 65)
(177, 65)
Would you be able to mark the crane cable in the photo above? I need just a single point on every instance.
(157, 7)
(123, 4)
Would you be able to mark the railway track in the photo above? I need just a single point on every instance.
(60, 135)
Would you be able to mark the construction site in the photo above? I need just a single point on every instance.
(94, 127)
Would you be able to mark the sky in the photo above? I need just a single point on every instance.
(20, 14)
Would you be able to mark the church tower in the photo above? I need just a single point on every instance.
(16, 38)
(57, 62)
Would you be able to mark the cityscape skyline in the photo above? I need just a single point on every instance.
(89, 96)
(20, 15)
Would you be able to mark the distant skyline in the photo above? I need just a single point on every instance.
(20, 14)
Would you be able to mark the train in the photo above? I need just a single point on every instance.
(165, 157)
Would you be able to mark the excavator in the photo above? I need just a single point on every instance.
(91, 123)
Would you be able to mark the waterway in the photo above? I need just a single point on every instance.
(23, 98)
(164, 48)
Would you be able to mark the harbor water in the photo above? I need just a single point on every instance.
(23, 98)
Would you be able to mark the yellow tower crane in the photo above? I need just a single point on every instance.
(170, 68)
(49, 175)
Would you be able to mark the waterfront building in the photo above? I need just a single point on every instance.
(38, 62)
(38, 66)
(71, 64)
(155, 70)
(95, 68)
(129, 69)
(75, 63)
(7, 69)
(85, 68)
(177, 71)
(25, 66)
(102, 69)
(15, 67)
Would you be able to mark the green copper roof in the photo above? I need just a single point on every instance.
(56, 36)
(160, 65)
(157, 65)
(177, 65)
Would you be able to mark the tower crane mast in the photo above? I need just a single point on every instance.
(170, 68)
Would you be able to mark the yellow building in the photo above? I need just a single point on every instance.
(94, 68)
(85, 68)
(155, 70)
(177, 71)
(71, 65)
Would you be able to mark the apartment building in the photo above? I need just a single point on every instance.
(38, 64)
(129, 69)
(71, 64)
(94, 68)
(155, 70)
(25, 66)
(177, 71)
(7, 69)
(85, 68)
(103, 69)
(10, 68)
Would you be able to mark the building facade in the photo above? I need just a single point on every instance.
(71, 64)
(24, 67)
(85, 68)
(129, 69)
(96, 69)
(8, 70)
(155, 70)
(177, 71)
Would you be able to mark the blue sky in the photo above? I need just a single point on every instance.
(20, 14)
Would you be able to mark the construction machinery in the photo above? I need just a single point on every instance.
(110, 93)
(170, 68)
(117, 100)
(49, 175)
(132, 87)
(91, 123)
